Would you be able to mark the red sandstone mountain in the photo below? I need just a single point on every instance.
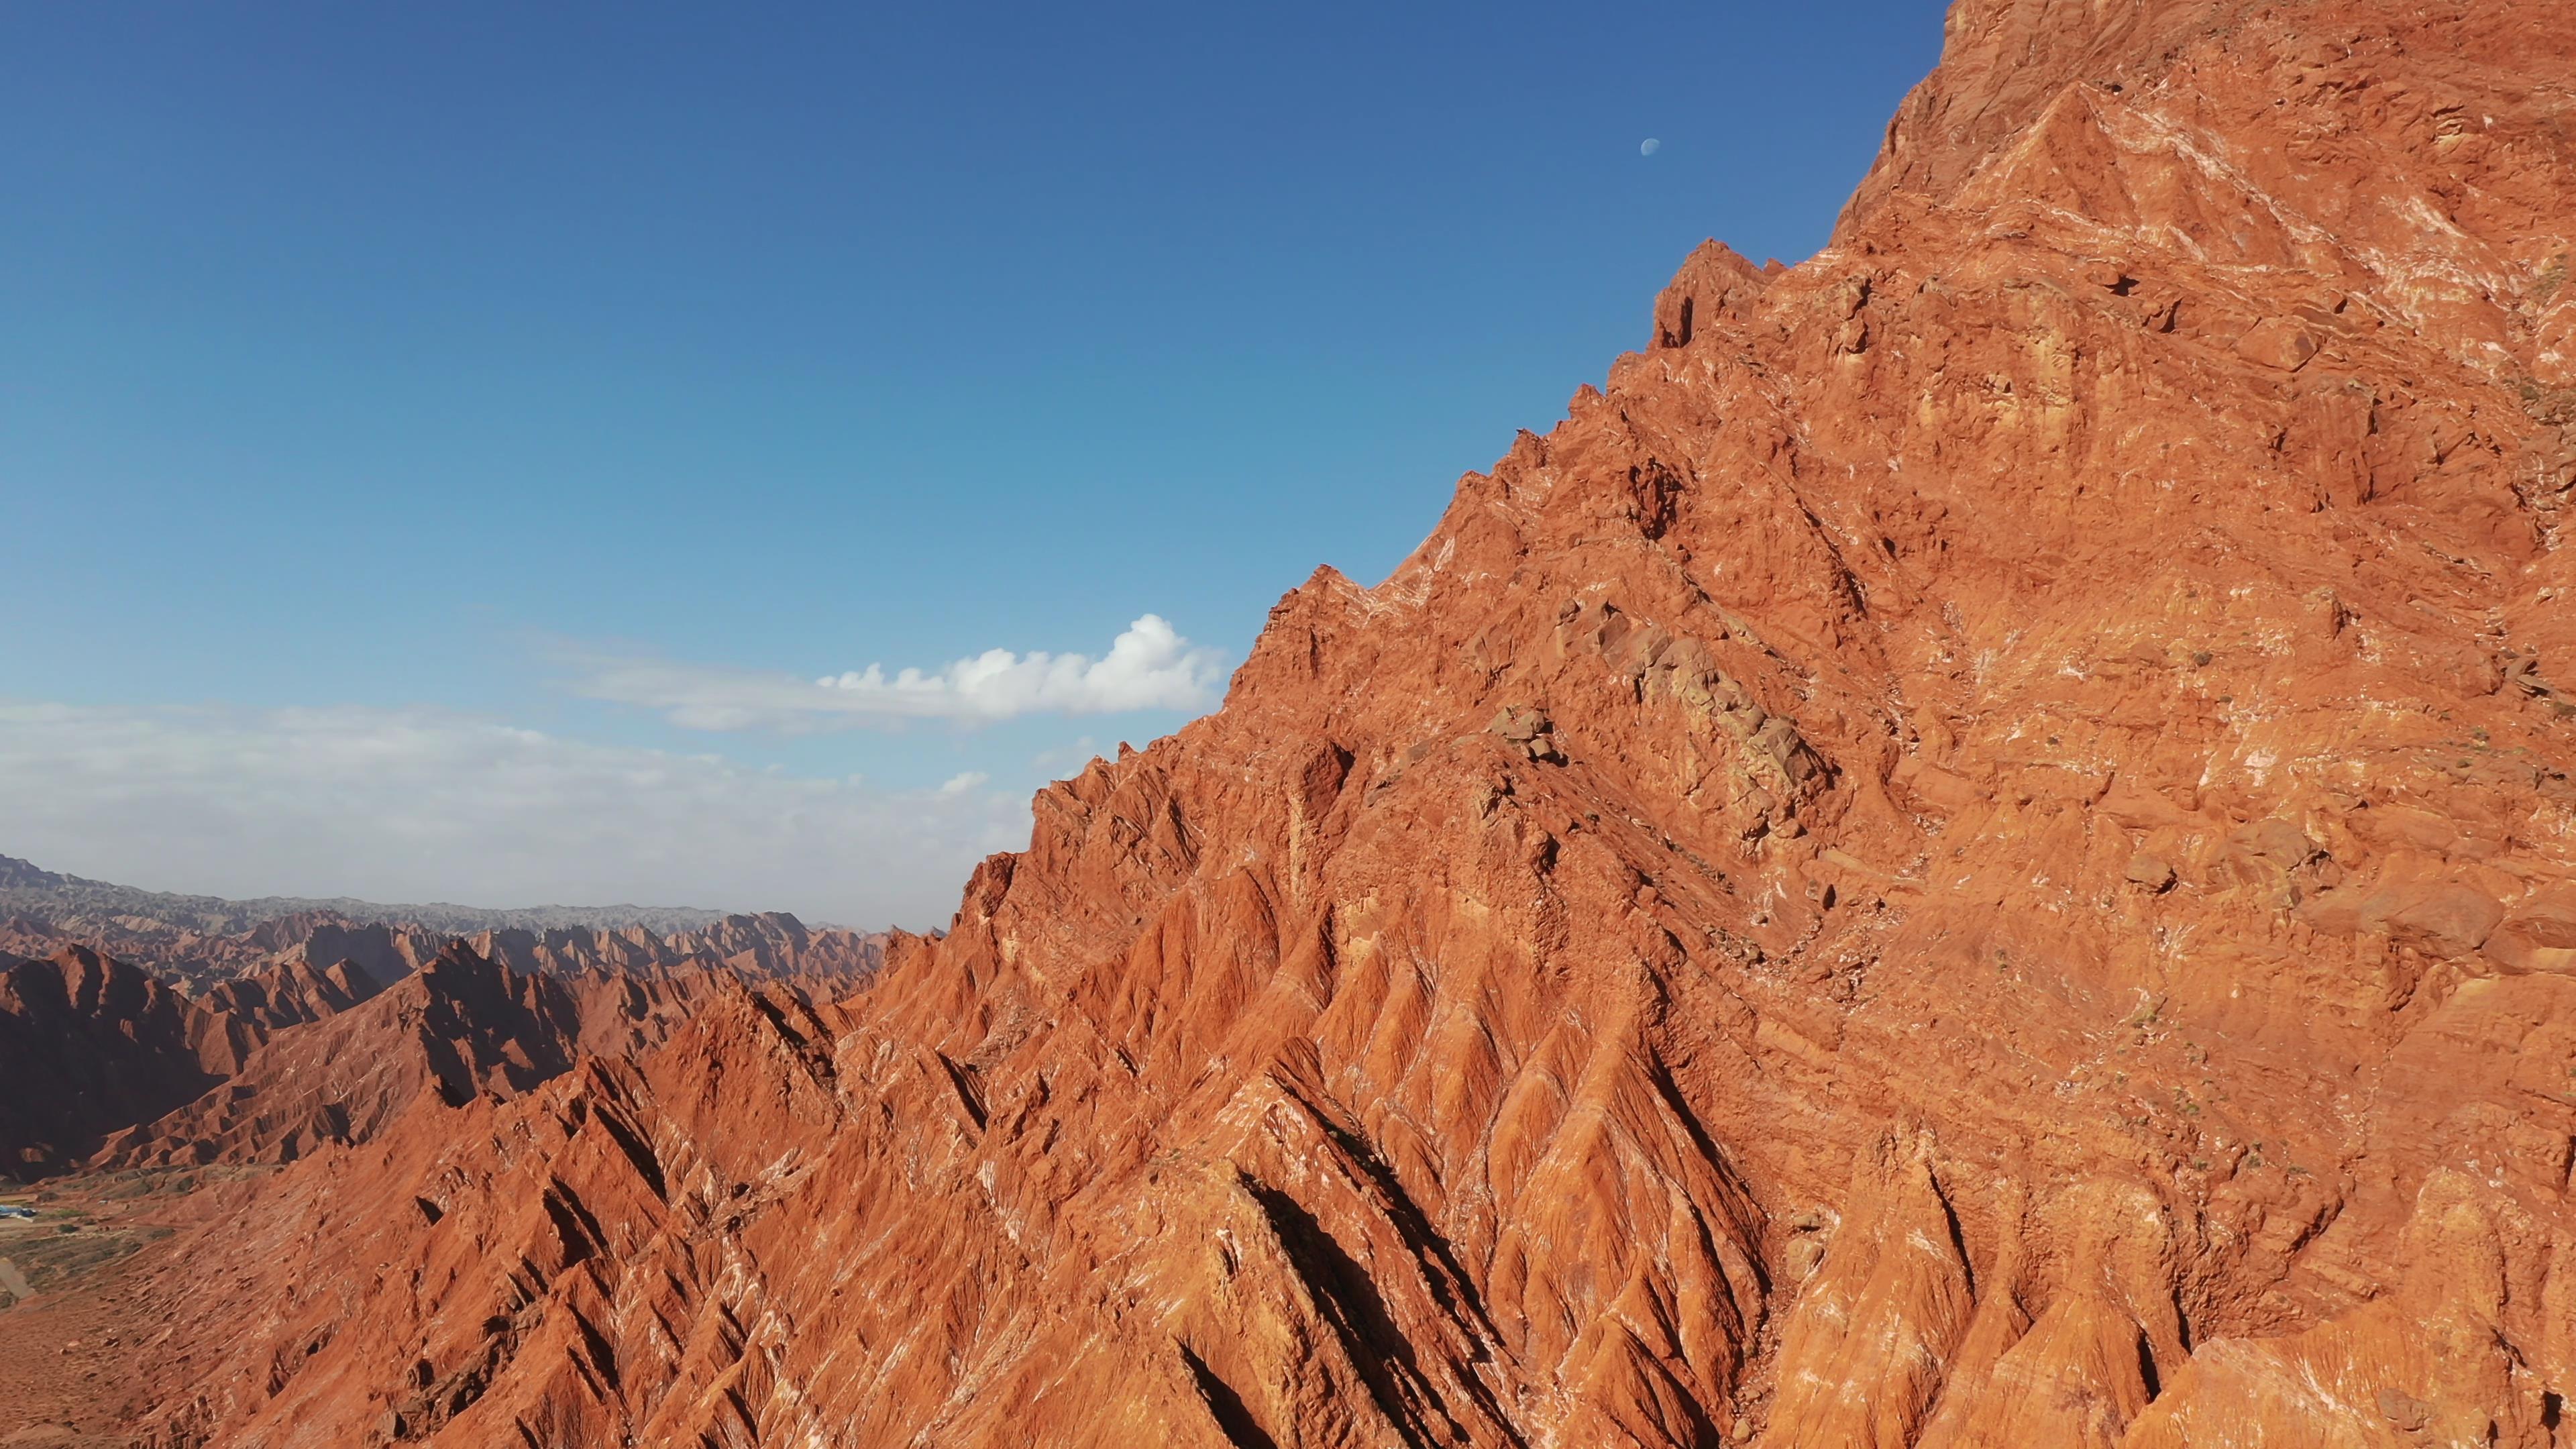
(292, 992)
(100, 1060)
(460, 1028)
(88, 1045)
(773, 944)
(93, 1048)
(1974, 853)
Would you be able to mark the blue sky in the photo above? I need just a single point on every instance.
(438, 442)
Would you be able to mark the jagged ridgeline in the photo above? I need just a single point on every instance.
(134, 1031)
(1975, 851)
(30, 891)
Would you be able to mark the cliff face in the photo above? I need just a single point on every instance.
(1975, 852)
(459, 1028)
(89, 1045)
(111, 1065)
(770, 945)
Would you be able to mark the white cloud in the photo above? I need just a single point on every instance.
(1150, 666)
(414, 805)
(970, 780)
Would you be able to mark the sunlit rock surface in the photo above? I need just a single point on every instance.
(1974, 853)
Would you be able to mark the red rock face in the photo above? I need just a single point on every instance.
(771, 945)
(88, 1045)
(105, 1063)
(203, 960)
(1975, 853)
(458, 1029)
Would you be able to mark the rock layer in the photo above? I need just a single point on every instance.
(1974, 852)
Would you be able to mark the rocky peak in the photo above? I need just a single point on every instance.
(1974, 851)
(16, 874)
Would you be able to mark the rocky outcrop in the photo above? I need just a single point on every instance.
(293, 993)
(773, 944)
(462, 1028)
(109, 1067)
(1973, 853)
(200, 961)
(88, 1045)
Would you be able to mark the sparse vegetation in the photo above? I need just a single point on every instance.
(2544, 288)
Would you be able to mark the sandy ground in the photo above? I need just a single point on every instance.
(68, 1354)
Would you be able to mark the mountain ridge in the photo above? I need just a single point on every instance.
(1975, 851)
(28, 888)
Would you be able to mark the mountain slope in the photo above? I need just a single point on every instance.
(1975, 852)
(88, 1045)
(107, 1064)
(459, 1028)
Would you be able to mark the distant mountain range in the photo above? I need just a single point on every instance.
(320, 1019)
(29, 889)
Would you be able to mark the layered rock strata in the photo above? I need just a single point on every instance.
(1976, 851)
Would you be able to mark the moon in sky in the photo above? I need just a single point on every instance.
(1648, 146)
